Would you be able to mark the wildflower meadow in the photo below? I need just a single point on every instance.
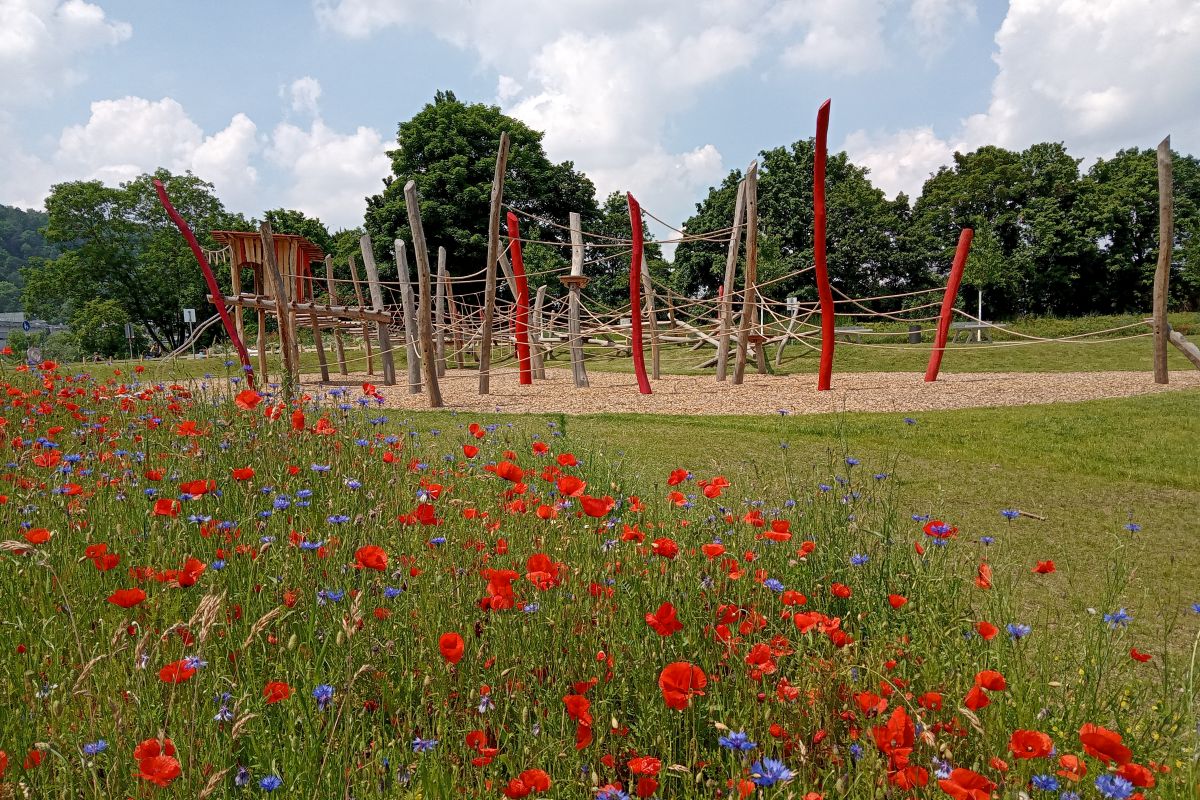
(210, 593)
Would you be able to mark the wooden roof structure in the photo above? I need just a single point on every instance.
(293, 253)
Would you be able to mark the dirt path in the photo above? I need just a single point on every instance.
(769, 394)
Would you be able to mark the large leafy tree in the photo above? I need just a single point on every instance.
(20, 241)
(449, 150)
(297, 223)
(118, 244)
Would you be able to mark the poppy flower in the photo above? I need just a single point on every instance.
(127, 598)
(193, 568)
(247, 399)
(664, 621)
(987, 630)
(176, 672)
(1044, 568)
(1138, 655)
(578, 708)
(37, 536)
(1073, 767)
(667, 548)
(679, 682)
(1137, 775)
(243, 473)
(164, 507)
(897, 600)
(712, 550)
(470, 450)
(983, 577)
(570, 486)
(840, 590)
(451, 647)
(1029, 744)
(274, 691)
(159, 770)
(596, 506)
(991, 680)
(1104, 744)
(567, 460)
(976, 699)
(677, 477)
(528, 782)
(963, 784)
(371, 557)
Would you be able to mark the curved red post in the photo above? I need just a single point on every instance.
(635, 294)
(209, 278)
(824, 292)
(956, 271)
(521, 319)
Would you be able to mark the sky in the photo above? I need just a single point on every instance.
(292, 103)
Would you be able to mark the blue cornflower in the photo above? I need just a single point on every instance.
(1132, 527)
(858, 559)
(321, 468)
(611, 794)
(437, 541)
(323, 694)
(852, 462)
(1069, 796)
(1018, 631)
(331, 595)
(337, 519)
(1010, 513)
(1113, 786)
(1118, 619)
(270, 783)
(242, 777)
(420, 745)
(485, 703)
(1047, 783)
(737, 741)
(769, 772)
(353, 484)
(986, 539)
(307, 545)
(391, 592)
(856, 751)
(773, 584)
(194, 662)
(1196, 608)
(909, 421)
(281, 502)
(218, 565)
(92, 748)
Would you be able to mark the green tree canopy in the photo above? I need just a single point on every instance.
(21, 240)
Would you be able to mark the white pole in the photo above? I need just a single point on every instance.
(979, 314)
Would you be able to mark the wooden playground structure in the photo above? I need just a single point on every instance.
(439, 331)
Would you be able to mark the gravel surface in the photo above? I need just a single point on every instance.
(769, 394)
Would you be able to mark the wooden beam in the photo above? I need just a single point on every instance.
(425, 309)
(411, 356)
(578, 369)
(455, 325)
(535, 335)
(440, 313)
(366, 331)
(1187, 348)
(1162, 273)
(381, 328)
(331, 289)
(652, 321)
(731, 258)
(749, 296)
(279, 289)
(493, 254)
(320, 345)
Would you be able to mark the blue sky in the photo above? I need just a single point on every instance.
(294, 103)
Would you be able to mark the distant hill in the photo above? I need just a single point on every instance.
(19, 242)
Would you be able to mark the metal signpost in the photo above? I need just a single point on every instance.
(189, 316)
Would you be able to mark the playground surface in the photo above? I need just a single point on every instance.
(765, 394)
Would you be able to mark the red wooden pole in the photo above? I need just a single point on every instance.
(521, 322)
(635, 294)
(956, 271)
(209, 278)
(824, 292)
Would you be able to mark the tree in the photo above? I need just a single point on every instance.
(449, 149)
(286, 220)
(99, 327)
(118, 244)
(20, 241)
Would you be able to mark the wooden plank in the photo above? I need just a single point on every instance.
(261, 344)
(578, 368)
(440, 313)
(648, 290)
(731, 259)
(331, 289)
(455, 325)
(1162, 272)
(1187, 348)
(749, 297)
(535, 335)
(493, 253)
(412, 358)
(366, 331)
(283, 313)
(381, 328)
(320, 345)
(425, 309)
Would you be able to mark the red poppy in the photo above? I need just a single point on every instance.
(1044, 567)
(570, 486)
(37, 536)
(677, 477)
(159, 770)
(679, 682)
(664, 621)
(198, 488)
(1104, 744)
(243, 473)
(274, 691)
(1137, 775)
(578, 708)
(991, 680)
(976, 699)
(193, 568)
(987, 630)
(1029, 744)
(596, 506)
(712, 550)
(567, 460)
(247, 399)
(983, 577)
(840, 590)
(164, 507)
(451, 646)
(667, 548)
(931, 701)
(298, 420)
(1138, 655)
(176, 672)
(529, 781)
(371, 556)
(897, 600)
(963, 784)
(470, 450)
(1073, 767)
(126, 598)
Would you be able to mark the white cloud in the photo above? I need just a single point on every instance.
(41, 42)
(900, 161)
(329, 174)
(844, 36)
(304, 94)
(934, 20)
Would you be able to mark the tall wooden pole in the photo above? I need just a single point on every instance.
(279, 289)
(319, 344)
(455, 324)
(575, 284)
(521, 312)
(535, 335)
(749, 295)
(943, 329)
(440, 312)
(409, 309)
(425, 310)
(366, 329)
(731, 259)
(493, 253)
(635, 300)
(1162, 273)
(824, 291)
(331, 290)
(381, 328)
(651, 318)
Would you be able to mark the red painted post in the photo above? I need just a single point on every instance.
(521, 322)
(824, 292)
(209, 278)
(943, 329)
(635, 295)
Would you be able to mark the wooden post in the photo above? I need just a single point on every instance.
(381, 328)
(943, 329)
(366, 329)
(575, 285)
(424, 313)
(652, 318)
(410, 318)
(317, 341)
(731, 259)
(787, 336)
(260, 288)
(1187, 348)
(455, 325)
(635, 302)
(535, 335)
(1162, 273)
(749, 296)
(279, 289)
(331, 289)
(440, 312)
(235, 285)
(824, 290)
(493, 254)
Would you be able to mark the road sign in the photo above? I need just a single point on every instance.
(25, 326)
(793, 304)
(189, 315)
(128, 330)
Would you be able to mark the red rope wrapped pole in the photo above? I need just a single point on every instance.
(943, 329)
(824, 292)
(635, 295)
(521, 320)
(209, 278)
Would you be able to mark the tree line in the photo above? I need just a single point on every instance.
(1050, 237)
